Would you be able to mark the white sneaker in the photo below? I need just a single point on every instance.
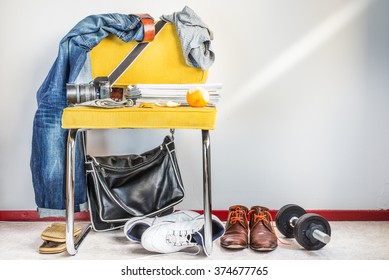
(175, 236)
(134, 228)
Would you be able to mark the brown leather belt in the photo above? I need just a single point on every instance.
(148, 27)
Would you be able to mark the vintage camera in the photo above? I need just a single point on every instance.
(99, 88)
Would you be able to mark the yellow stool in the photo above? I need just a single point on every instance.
(161, 62)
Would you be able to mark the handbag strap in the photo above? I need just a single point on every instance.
(139, 48)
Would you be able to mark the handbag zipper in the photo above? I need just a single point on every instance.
(103, 172)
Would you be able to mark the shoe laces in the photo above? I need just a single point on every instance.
(180, 238)
(262, 216)
(237, 215)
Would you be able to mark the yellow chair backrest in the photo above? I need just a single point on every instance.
(162, 62)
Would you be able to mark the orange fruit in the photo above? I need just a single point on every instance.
(197, 97)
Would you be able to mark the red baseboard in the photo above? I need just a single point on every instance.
(32, 216)
(330, 215)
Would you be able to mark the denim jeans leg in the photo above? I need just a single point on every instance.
(48, 162)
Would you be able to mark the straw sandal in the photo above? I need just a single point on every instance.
(52, 247)
(54, 238)
(57, 232)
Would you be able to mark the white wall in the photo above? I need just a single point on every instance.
(304, 115)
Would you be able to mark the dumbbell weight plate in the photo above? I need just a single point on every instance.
(303, 231)
(284, 215)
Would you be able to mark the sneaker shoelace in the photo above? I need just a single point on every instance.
(180, 238)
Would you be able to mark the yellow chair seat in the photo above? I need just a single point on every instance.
(134, 117)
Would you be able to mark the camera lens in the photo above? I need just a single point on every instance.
(78, 93)
(87, 92)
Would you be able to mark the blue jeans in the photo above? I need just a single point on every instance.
(48, 154)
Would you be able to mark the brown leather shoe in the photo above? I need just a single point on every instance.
(236, 233)
(262, 235)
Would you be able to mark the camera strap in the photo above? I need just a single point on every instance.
(131, 56)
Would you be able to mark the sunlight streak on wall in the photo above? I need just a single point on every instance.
(296, 53)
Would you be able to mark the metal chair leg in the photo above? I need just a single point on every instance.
(72, 244)
(207, 199)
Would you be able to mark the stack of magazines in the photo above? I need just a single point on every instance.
(164, 93)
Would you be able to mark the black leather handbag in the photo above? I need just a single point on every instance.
(124, 186)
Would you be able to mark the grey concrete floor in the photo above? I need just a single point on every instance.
(349, 241)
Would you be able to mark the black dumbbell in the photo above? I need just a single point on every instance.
(311, 231)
